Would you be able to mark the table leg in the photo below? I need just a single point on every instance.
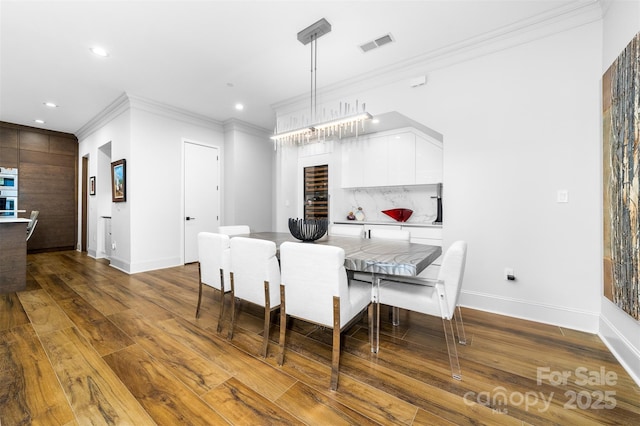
(395, 316)
(374, 326)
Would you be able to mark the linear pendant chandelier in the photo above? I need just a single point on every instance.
(346, 121)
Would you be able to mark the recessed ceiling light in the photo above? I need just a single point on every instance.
(39, 121)
(50, 104)
(239, 107)
(97, 50)
(375, 121)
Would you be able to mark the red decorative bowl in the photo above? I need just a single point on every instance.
(401, 215)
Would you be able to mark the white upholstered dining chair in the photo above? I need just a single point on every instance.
(214, 262)
(315, 288)
(33, 221)
(347, 230)
(434, 297)
(232, 230)
(255, 277)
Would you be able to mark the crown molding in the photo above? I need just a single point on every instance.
(233, 124)
(563, 18)
(126, 102)
(109, 113)
(172, 112)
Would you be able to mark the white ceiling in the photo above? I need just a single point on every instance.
(205, 56)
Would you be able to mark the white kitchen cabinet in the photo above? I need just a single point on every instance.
(353, 163)
(428, 164)
(395, 158)
(431, 236)
(370, 226)
(426, 235)
(376, 165)
(401, 149)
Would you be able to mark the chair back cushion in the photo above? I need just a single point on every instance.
(452, 273)
(390, 234)
(234, 230)
(253, 262)
(214, 254)
(347, 230)
(312, 274)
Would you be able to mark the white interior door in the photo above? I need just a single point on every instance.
(201, 195)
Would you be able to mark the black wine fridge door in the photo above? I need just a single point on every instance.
(316, 192)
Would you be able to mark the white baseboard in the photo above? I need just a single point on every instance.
(134, 268)
(120, 265)
(616, 330)
(155, 264)
(548, 314)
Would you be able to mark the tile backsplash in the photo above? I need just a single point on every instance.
(374, 200)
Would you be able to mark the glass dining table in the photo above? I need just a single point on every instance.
(375, 256)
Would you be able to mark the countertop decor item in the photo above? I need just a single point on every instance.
(308, 229)
(359, 214)
(401, 215)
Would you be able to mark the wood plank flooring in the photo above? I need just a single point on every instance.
(88, 344)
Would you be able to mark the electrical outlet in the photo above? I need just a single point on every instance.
(508, 274)
(113, 245)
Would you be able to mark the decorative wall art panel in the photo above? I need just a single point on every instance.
(621, 186)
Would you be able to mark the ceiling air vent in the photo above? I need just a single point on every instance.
(381, 41)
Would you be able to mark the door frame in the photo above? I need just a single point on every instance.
(85, 204)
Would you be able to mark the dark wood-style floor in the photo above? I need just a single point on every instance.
(87, 344)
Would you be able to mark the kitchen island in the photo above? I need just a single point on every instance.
(13, 254)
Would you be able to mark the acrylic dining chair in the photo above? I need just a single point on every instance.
(433, 297)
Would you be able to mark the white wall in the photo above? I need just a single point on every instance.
(519, 124)
(155, 182)
(619, 331)
(248, 189)
(148, 228)
(115, 129)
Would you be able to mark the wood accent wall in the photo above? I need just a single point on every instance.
(47, 163)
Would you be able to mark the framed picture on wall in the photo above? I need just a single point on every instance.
(92, 185)
(118, 181)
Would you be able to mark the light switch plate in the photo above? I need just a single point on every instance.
(563, 196)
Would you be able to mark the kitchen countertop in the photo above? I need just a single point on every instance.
(365, 222)
(14, 220)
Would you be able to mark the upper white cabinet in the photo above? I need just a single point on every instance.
(375, 166)
(428, 161)
(353, 163)
(402, 157)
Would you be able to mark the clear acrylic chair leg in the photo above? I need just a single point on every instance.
(462, 337)
(451, 348)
